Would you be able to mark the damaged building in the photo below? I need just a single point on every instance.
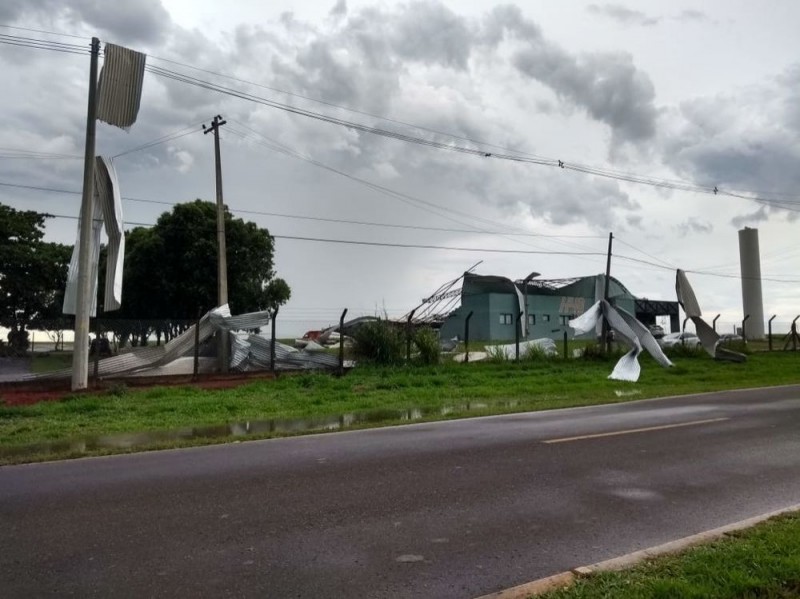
(545, 305)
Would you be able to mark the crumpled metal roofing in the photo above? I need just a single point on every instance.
(250, 352)
(106, 211)
(709, 338)
(627, 328)
(119, 89)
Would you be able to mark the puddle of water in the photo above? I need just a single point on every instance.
(241, 429)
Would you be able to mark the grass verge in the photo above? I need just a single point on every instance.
(763, 561)
(388, 395)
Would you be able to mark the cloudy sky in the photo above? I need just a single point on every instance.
(662, 90)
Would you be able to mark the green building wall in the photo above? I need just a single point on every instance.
(495, 307)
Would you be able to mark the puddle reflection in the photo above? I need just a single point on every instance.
(247, 428)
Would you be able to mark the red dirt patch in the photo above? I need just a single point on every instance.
(31, 392)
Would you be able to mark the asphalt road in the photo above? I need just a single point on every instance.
(450, 509)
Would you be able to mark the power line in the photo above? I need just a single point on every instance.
(193, 128)
(484, 250)
(707, 273)
(391, 245)
(80, 37)
(283, 149)
(477, 151)
(28, 42)
(278, 214)
(595, 171)
(618, 240)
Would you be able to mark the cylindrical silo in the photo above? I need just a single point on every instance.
(752, 300)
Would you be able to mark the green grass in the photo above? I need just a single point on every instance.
(762, 562)
(504, 387)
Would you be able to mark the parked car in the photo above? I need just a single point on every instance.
(729, 338)
(656, 331)
(686, 339)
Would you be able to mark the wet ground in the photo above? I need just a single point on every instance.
(12, 369)
(450, 509)
(239, 430)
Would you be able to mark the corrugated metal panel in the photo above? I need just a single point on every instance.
(250, 351)
(120, 86)
(107, 192)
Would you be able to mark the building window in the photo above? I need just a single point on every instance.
(545, 318)
(506, 319)
(531, 319)
(565, 318)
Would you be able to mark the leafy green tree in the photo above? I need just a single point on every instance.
(33, 273)
(171, 268)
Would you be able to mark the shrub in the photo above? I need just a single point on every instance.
(685, 351)
(596, 352)
(379, 342)
(427, 342)
(535, 354)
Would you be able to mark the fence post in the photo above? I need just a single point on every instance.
(714, 322)
(744, 329)
(341, 342)
(516, 336)
(566, 347)
(272, 342)
(794, 333)
(769, 326)
(466, 337)
(408, 335)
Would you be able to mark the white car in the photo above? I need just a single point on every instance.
(686, 339)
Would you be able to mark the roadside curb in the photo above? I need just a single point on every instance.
(565, 579)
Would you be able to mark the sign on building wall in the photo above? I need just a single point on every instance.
(572, 305)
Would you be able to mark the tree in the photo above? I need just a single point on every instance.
(171, 268)
(33, 273)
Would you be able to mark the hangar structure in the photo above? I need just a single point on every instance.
(542, 307)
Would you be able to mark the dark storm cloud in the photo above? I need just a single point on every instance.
(623, 14)
(607, 85)
(752, 218)
(746, 142)
(431, 33)
(122, 22)
(693, 16)
(364, 56)
(693, 226)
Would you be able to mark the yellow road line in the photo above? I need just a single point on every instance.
(634, 430)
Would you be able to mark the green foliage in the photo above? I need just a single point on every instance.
(379, 342)
(171, 268)
(595, 352)
(535, 354)
(496, 355)
(427, 343)
(685, 351)
(760, 562)
(32, 272)
(440, 391)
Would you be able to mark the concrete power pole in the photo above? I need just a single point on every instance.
(222, 259)
(80, 353)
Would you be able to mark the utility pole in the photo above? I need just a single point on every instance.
(606, 290)
(80, 352)
(222, 252)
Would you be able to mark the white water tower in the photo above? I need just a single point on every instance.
(752, 300)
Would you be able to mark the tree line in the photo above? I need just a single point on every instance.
(170, 274)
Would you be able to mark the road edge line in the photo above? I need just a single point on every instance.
(622, 562)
